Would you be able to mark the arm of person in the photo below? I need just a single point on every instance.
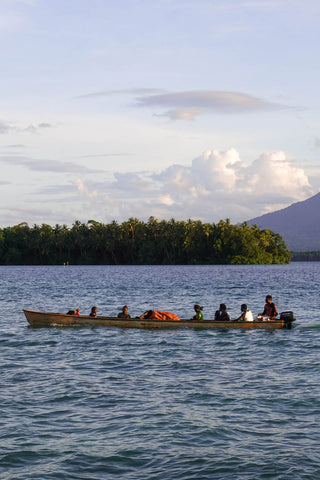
(275, 312)
(241, 317)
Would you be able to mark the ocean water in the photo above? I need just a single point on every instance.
(106, 403)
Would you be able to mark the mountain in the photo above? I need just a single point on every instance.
(299, 224)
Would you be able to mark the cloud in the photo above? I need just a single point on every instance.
(40, 165)
(275, 173)
(37, 214)
(7, 127)
(17, 145)
(181, 113)
(187, 105)
(84, 190)
(216, 185)
(60, 192)
(35, 128)
(104, 155)
(132, 91)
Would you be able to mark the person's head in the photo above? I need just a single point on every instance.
(197, 307)
(268, 299)
(125, 309)
(244, 307)
(94, 309)
(78, 310)
(222, 307)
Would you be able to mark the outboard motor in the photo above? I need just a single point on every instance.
(288, 317)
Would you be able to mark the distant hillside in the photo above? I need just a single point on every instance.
(299, 224)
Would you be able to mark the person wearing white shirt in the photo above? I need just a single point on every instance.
(246, 315)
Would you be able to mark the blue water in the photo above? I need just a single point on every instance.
(105, 403)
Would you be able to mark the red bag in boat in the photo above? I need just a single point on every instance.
(158, 315)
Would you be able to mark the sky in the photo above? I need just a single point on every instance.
(201, 109)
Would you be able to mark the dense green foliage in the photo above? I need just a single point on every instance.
(312, 256)
(136, 242)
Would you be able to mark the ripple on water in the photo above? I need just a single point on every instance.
(92, 403)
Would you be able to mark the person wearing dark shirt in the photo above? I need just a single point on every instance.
(270, 309)
(222, 315)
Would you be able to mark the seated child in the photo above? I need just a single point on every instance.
(93, 312)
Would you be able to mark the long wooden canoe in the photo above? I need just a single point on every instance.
(37, 318)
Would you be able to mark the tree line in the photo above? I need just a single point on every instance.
(306, 256)
(135, 242)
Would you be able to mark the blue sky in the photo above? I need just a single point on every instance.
(204, 109)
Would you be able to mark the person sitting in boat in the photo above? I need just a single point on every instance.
(93, 312)
(246, 315)
(124, 313)
(77, 312)
(199, 314)
(270, 310)
(222, 315)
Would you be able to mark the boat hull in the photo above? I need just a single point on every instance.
(38, 318)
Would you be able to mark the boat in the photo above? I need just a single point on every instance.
(37, 318)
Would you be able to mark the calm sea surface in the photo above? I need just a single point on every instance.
(106, 403)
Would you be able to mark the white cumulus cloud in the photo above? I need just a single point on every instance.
(84, 190)
(216, 185)
(275, 173)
